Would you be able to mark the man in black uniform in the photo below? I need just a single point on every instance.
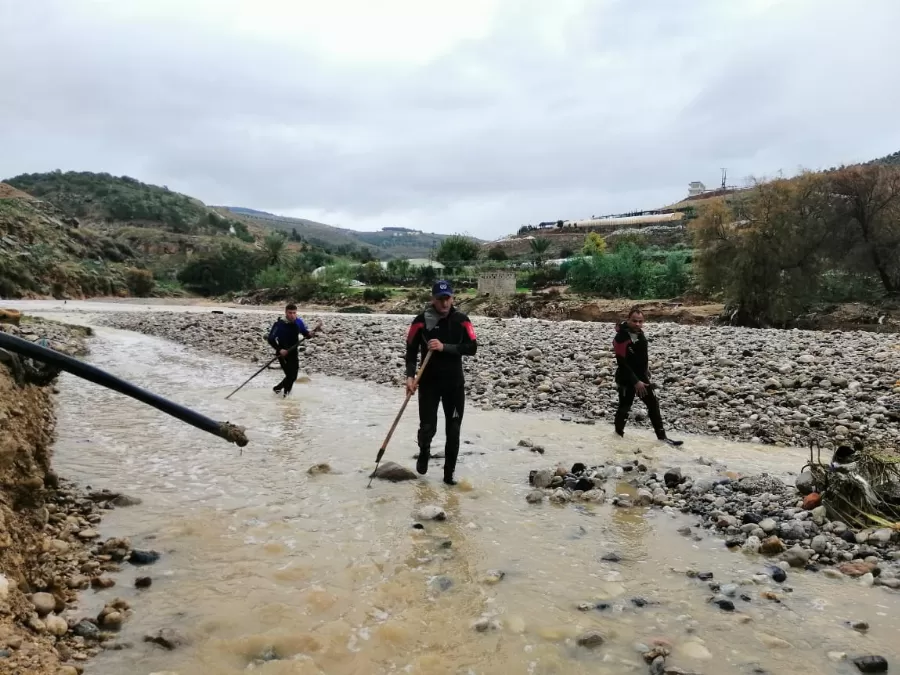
(633, 374)
(285, 334)
(449, 334)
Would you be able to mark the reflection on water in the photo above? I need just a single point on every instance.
(268, 567)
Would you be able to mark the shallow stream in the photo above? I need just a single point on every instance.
(268, 568)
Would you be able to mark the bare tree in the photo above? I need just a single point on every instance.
(867, 204)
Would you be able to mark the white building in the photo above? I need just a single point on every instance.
(696, 188)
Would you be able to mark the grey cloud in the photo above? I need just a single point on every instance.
(641, 99)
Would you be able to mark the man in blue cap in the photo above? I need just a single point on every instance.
(449, 334)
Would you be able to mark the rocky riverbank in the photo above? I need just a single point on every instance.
(756, 514)
(770, 386)
(49, 545)
(780, 530)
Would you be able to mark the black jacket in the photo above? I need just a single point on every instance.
(285, 334)
(632, 357)
(454, 330)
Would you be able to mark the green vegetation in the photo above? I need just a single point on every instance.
(456, 251)
(892, 159)
(109, 199)
(770, 253)
(539, 248)
(630, 272)
(231, 267)
(386, 244)
(40, 255)
(594, 244)
(497, 253)
(139, 281)
(792, 244)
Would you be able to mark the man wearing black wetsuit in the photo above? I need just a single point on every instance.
(284, 336)
(449, 334)
(633, 374)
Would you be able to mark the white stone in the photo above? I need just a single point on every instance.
(694, 650)
(431, 512)
(56, 625)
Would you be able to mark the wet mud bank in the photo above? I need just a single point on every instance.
(51, 552)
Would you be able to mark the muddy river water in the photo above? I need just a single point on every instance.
(268, 569)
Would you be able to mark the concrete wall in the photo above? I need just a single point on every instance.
(497, 283)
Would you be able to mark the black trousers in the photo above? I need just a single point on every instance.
(626, 400)
(451, 394)
(290, 364)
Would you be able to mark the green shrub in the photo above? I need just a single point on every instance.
(373, 294)
(273, 276)
(140, 282)
(230, 268)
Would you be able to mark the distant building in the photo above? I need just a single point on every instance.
(500, 282)
(419, 262)
(626, 222)
(400, 231)
(696, 188)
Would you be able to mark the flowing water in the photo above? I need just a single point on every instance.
(271, 570)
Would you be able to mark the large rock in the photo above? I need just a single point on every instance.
(771, 546)
(856, 568)
(591, 639)
(644, 497)
(768, 525)
(543, 478)
(673, 478)
(560, 496)
(805, 483)
(797, 556)
(793, 530)
(752, 545)
(534, 497)
(394, 472)
(142, 557)
(44, 603)
(56, 625)
(871, 664)
(881, 537)
(820, 544)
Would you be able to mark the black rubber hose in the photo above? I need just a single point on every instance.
(226, 430)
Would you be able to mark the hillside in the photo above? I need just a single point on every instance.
(113, 201)
(893, 159)
(84, 234)
(383, 244)
(44, 252)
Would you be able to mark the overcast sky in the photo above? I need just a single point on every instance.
(470, 116)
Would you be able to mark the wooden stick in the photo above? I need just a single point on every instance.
(399, 415)
(275, 358)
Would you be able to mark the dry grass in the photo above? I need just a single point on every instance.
(9, 192)
(861, 496)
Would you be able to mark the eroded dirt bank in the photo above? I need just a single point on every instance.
(49, 549)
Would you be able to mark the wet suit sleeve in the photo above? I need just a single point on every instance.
(273, 336)
(413, 344)
(469, 344)
(304, 331)
(620, 347)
